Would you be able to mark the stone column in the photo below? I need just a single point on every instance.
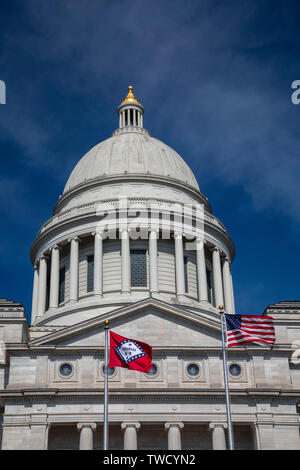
(218, 435)
(74, 252)
(86, 435)
(174, 437)
(227, 286)
(35, 293)
(153, 261)
(218, 288)
(98, 263)
(39, 433)
(179, 265)
(54, 278)
(130, 435)
(42, 286)
(201, 271)
(232, 292)
(125, 252)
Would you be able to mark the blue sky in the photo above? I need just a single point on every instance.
(215, 80)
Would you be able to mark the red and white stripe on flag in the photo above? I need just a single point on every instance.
(247, 328)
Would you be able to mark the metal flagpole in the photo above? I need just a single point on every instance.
(228, 410)
(105, 428)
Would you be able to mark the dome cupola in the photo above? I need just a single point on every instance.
(130, 111)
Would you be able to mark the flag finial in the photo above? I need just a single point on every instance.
(221, 307)
(130, 98)
(106, 323)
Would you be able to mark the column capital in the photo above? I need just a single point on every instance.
(201, 239)
(86, 425)
(179, 425)
(130, 425)
(216, 248)
(100, 233)
(154, 230)
(44, 256)
(36, 266)
(178, 235)
(218, 425)
(75, 239)
(55, 247)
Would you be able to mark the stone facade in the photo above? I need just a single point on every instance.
(51, 373)
(172, 409)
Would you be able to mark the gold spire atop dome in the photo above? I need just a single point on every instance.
(130, 98)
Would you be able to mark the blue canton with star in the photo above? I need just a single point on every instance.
(126, 356)
(233, 322)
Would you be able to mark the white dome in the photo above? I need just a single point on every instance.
(131, 153)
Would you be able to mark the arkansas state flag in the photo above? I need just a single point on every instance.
(129, 353)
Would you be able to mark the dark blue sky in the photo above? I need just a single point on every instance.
(215, 80)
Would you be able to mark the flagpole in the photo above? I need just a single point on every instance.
(228, 409)
(105, 427)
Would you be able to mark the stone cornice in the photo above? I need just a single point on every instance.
(16, 348)
(115, 394)
(124, 178)
(89, 210)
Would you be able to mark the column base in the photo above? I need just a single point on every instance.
(51, 309)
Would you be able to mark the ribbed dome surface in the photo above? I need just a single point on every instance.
(133, 153)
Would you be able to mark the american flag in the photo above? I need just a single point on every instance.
(247, 328)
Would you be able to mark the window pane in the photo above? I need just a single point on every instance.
(209, 286)
(62, 277)
(138, 268)
(186, 282)
(90, 273)
(48, 287)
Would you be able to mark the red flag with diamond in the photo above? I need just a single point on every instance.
(129, 353)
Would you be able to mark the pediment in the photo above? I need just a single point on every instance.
(158, 323)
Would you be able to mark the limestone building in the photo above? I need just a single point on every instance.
(155, 284)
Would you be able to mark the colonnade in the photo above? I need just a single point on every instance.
(125, 118)
(222, 280)
(130, 430)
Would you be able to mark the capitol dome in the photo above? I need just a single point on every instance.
(125, 229)
(134, 153)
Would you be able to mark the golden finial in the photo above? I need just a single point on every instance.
(221, 307)
(106, 322)
(130, 98)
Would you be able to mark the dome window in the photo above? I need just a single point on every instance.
(138, 268)
(90, 273)
(62, 278)
(186, 282)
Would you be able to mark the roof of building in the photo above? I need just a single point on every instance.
(131, 151)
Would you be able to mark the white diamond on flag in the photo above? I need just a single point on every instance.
(129, 351)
